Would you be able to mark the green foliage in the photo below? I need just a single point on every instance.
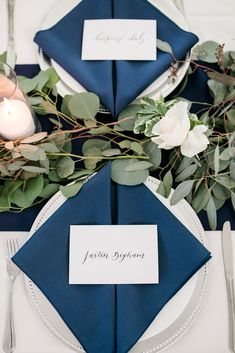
(36, 167)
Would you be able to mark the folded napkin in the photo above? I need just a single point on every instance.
(109, 318)
(116, 83)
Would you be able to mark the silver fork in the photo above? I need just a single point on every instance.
(9, 340)
(11, 51)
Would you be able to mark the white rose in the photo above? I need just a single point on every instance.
(195, 142)
(173, 128)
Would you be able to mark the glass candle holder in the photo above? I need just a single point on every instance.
(16, 118)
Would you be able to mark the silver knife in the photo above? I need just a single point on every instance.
(229, 274)
(11, 51)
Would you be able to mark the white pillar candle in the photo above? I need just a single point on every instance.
(16, 120)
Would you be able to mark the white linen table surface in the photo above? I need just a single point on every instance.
(208, 334)
(210, 20)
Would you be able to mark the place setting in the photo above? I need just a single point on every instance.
(117, 190)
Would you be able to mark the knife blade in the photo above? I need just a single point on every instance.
(229, 275)
(11, 51)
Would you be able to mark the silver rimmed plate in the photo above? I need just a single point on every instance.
(164, 85)
(173, 320)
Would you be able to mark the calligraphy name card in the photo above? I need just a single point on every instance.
(119, 40)
(116, 254)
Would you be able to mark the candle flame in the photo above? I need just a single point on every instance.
(7, 105)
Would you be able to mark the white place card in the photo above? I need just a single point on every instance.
(119, 40)
(116, 254)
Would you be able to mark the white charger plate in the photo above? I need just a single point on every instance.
(173, 320)
(68, 85)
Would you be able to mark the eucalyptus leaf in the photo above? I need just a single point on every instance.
(17, 165)
(187, 172)
(225, 155)
(206, 51)
(33, 155)
(80, 174)
(181, 191)
(35, 100)
(49, 147)
(42, 78)
(218, 90)
(96, 143)
(216, 160)
(21, 200)
(231, 116)
(164, 46)
(222, 78)
(233, 200)
(129, 114)
(161, 190)
(71, 190)
(34, 187)
(232, 169)
(168, 182)
(3, 57)
(4, 203)
(123, 177)
(101, 130)
(111, 152)
(27, 85)
(200, 198)
(223, 164)
(154, 153)
(84, 105)
(27, 175)
(125, 144)
(137, 147)
(64, 106)
(93, 156)
(49, 190)
(34, 138)
(34, 169)
(139, 165)
(211, 214)
(226, 181)
(53, 176)
(220, 192)
(65, 167)
(53, 77)
(186, 161)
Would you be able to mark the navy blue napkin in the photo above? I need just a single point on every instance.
(116, 83)
(109, 318)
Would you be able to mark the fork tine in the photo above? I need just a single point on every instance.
(16, 245)
(12, 246)
(8, 248)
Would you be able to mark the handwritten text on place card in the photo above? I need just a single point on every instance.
(116, 254)
(119, 40)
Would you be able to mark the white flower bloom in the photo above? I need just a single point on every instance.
(173, 128)
(195, 142)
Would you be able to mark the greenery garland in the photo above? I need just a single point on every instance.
(36, 167)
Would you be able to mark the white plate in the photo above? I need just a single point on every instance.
(173, 320)
(68, 85)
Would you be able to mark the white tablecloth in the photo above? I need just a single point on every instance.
(209, 19)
